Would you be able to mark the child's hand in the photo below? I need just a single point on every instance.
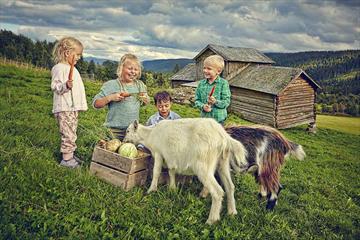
(207, 108)
(69, 84)
(144, 97)
(211, 100)
(116, 97)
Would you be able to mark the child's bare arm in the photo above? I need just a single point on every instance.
(102, 102)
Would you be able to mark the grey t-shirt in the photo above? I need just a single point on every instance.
(121, 114)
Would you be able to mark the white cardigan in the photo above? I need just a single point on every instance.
(64, 98)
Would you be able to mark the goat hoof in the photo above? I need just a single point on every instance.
(232, 213)
(204, 193)
(270, 205)
(211, 221)
(260, 197)
(173, 189)
(151, 190)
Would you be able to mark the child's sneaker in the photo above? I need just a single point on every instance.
(72, 163)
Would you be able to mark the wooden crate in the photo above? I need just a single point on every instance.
(118, 170)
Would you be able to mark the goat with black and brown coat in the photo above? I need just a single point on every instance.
(267, 150)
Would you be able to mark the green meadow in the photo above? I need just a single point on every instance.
(41, 200)
(343, 124)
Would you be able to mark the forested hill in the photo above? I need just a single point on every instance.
(166, 65)
(336, 71)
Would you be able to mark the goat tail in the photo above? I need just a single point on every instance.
(297, 151)
(238, 154)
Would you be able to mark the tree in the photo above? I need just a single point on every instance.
(342, 107)
(91, 68)
(82, 66)
(176, 68)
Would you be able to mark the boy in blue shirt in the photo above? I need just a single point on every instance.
(163, 102)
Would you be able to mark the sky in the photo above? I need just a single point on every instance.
(181, 28)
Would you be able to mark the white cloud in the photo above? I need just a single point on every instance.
(174, 29)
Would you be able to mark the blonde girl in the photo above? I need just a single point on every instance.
(123, 96)
(69, 96)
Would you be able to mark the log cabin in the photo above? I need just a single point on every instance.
(281, 97)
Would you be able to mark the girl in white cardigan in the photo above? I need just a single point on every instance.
(69, 96)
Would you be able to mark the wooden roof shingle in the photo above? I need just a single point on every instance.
(187, 73)
(237, 54)
(268, 79)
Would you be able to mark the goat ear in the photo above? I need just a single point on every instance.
(136, 124)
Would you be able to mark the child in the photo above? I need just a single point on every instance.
(213, 94)
(163, 103)
(69, 96)
(123, 96)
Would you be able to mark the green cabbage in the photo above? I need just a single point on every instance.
(128, 150)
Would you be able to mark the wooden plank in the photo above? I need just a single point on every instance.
(242, 110)
(258, 119)
(297, 92)
(293, 115)
(302, 103)
(253, 106)
(297, 119)
(118, 178)
(118, 162)
(259, 102)
(252, 94)
(295, 110)
(290, 125)
(296, 96)
(283, 107)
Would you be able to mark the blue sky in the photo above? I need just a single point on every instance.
(180, 29)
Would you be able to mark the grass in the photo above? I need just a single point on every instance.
(41, 200)
(349, 125)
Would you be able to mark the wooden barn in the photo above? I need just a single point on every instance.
(184, 75)
(280, 97)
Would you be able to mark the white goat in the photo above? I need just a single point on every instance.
(193, 146)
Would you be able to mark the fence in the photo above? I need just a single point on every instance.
(22, 64)
(84, 76)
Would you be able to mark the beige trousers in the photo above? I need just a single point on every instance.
(68, 122)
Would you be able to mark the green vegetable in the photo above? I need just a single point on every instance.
(128, 150)
(113, 145)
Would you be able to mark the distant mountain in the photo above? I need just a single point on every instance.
(158, 65)
(165, 65)
(96, 60)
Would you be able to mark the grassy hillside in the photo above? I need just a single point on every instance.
(343, 124)
(41, 200)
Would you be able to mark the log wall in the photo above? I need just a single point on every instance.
(230, 68)
(200, 64)
(295, 104)
(253, 106)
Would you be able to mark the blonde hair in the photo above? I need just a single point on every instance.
(128, 57)
(215, 60)
(63, 45)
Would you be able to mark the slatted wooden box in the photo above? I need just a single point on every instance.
(120, 171)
